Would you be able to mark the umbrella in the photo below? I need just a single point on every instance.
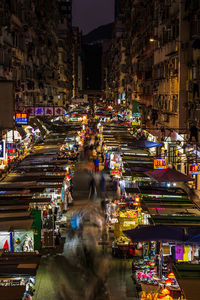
(144, 144)
(168, 175)
(156, 233)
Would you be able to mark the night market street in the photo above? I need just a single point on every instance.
(99, 150)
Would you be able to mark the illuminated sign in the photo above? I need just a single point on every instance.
(30, 110)
(58, 111)
(2, 150)
(21, 118)
(39, 111)
(48, 111)
(194, 169)
(136, 114)
(44, 111)
(160, 163)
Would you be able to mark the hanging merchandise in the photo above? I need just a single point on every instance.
(23, 241)
(6, 246)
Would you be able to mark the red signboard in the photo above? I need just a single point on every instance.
(160, 163)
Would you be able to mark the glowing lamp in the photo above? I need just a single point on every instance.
(171, 275)
(165, 292)
(137, 199)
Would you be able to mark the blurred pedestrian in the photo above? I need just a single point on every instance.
(103, 186)
(92, 186)
(96, 164)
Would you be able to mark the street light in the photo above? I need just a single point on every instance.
(151, 40)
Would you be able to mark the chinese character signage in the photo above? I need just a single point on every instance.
(39, 111)
(44, 111)
(48, 111)
(194, 169)
(21, 118)
(160, 163)
(58, 111)
(2, 150)
(30, 110)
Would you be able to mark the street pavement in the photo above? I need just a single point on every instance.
(86, 269)
(59, 278)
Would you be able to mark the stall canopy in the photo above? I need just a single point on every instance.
(144, 144)
(163, 233)
(168, 175)
(156, 233)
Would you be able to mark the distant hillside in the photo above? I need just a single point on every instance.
(103, 32)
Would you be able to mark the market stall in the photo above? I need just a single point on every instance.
(162, 246)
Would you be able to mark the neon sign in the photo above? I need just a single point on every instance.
(21, 118)
(160, 163)
(194, 169)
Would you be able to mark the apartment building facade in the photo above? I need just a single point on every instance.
(161, 69)
(35, 51)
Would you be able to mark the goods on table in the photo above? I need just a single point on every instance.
(125, 223)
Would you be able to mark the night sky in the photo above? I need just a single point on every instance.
(89, 14)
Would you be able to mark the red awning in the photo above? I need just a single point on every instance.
(168, 175)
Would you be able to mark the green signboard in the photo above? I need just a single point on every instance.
(37, 225)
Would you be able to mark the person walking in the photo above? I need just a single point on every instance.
(92, 186)
(103, 186)
(96, 164)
